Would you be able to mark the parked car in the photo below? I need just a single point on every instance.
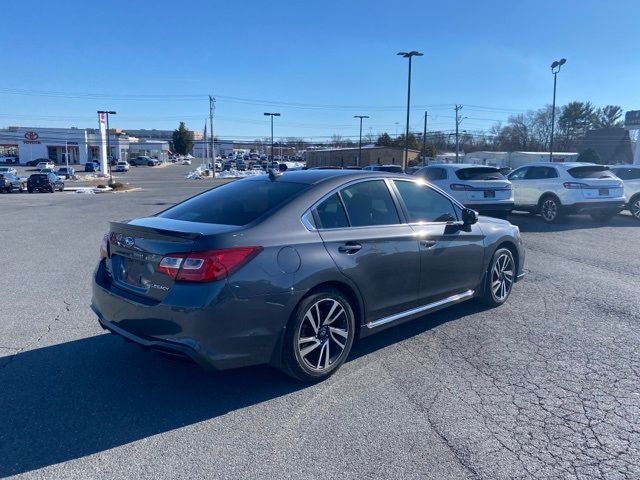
(44, 182)
(92, 167)
(42, 165)
(241, 165)
(479, 187)
(9, 182)
(153, 162)
(65, 172)
(9, 159)
(8, 170)
(256, 168)
(556, 189)
(630, 176)
(384, 168)
(122, 166)
(303, 258)
(36, 161)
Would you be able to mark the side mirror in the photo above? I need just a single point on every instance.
(469, 217)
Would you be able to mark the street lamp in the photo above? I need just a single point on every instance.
(107, 113)
(555, 68)
(408, 55)
(360, 138)
(268, 114)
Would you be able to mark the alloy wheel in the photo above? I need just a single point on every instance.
(502, 277)
(635, 208)
(323, 334)
(549, 210)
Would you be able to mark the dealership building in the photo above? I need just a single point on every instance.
(82, 145)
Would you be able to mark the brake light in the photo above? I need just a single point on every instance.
(574, 185)
(206, 266)
(104, 247)
(460, 186)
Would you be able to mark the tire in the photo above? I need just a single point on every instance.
(51, 189)
(29, 189)
(309, 343)
(61, 189)
(603, 216)
(10, 189)
(499, 278)
(634, 207)
(550, 209)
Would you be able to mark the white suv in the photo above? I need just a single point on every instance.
(554, 189)
(43, 165)
(479, 187)
(630, 176)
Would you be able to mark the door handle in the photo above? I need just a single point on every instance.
(427, 243)
(349, 248)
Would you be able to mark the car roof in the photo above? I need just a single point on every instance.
(317, 176)
(458, 166)
(624, 165)
(559, 164)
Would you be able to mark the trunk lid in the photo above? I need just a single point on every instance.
(488, 190)
(137, 247)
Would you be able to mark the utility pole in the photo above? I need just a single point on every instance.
(212, 107)
(424, 140)
(458, 120)
(555, 68)
(360, 138)
(271, 114)
(408, 55)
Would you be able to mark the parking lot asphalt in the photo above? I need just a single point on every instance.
(546, 386)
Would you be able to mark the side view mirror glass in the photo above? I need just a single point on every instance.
(469, 216)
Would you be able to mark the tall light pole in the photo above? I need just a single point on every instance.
(458, 122)
(270, 114)
(424, 139)
(360, 138)
(408, 55)
(555, 68)
(107, 113)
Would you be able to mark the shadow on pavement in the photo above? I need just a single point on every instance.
(78, 398)
(534, 223)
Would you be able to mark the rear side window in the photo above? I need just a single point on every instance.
(479, 173)
(369, 203)
(432, 173)
(235, 203)
(330, 213)
(591, 171)
(627, 173)
(425, 204)
(539, 173)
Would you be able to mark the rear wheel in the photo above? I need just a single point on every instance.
(51, 189)
(500, 278)
(319, 336)
(10, 189)
(550, 209)
(29, 189)
(634, 207)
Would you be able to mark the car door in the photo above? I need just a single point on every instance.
(538, 180)
(451, 254)
(518, 183)
(364, 235)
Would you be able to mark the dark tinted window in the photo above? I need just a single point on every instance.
(479, 173)
(425, 204)
(627, 173)
(390, 168)
(518, 174)
(330, 213)
(538, 173)
(432, 173)
(369, 203)
(590, 171)
(235, 203)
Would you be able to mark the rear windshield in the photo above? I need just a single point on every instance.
(479, 173)
(591, 171)
(236, 203)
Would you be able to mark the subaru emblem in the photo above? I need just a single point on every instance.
(129, 242)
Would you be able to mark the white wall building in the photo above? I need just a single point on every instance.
(516, 159)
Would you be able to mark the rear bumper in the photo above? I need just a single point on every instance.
(201, 322)
(613, 206)
(500, 206)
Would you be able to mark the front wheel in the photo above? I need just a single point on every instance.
(29, 189)
(319, 336)
(634, 207)
(550, 209)
(500, 278)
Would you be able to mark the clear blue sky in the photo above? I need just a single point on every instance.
(339, 57)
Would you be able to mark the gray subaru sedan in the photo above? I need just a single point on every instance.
(290, 269)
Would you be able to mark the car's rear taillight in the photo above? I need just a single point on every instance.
(574, 185)
(206, 266)
(460, 187)
(104, 246)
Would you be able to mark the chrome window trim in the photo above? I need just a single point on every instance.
(424, 308)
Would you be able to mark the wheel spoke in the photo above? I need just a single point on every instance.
(312, 321)
(307, 350)
(320, 356)
(330, 318)
(304, 340)
(327, 356)
(339, 331)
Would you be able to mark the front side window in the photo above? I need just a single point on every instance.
(519, 174)
(425, 204)
(369, 203)
(627, 173)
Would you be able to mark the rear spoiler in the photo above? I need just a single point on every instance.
(151, 232)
